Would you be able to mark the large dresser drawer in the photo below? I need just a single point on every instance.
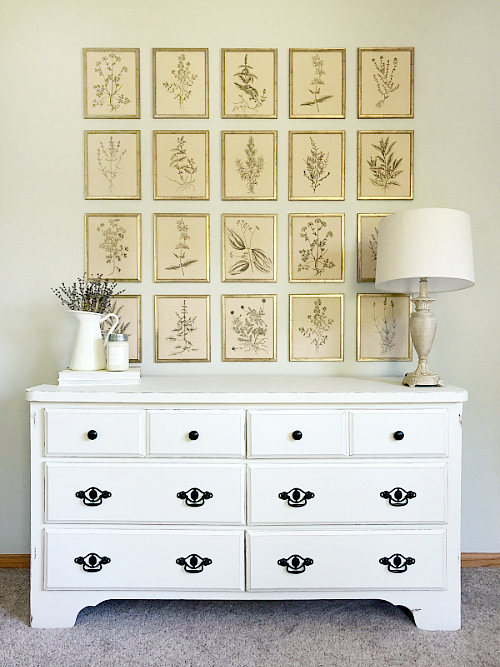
(143, 559)
(306, 493)
(152, 493)
(315, 560)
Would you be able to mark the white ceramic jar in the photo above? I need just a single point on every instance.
(118, 352)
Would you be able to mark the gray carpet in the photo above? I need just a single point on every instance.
(251, 634)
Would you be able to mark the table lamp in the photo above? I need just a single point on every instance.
(420, 251)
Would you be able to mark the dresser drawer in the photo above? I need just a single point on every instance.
(399, 432)
(145, 493)
(196, 433)
(83, 432)
(346, 493)
(346, 560)
(297, 433)
(143, 559)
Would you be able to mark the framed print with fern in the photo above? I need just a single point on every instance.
(383, 327)
(128, 309)
(316, 165)
(249, 248)
(249, 83)
(316, 248)
(385, 164)
(386, 82)
(316, 327)
(317, 83)
(248, 327)
(113, 246)
(180, 164)
(181, 248)
(368, 245)
(180, 83)
(112, 164)
(111, 86)
(249, 165)
(182, 328)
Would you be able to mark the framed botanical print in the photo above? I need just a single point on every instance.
(385, 164)
(182, 328)
(180, 164)
(316, 327)
(316, 248)
(112, 164)
(383, 327)
(248, 327)
(180, 83)
(368, 245)
(317, 83)
(249, 83)
(128, 309)
(111, 87)
(386, 82)
(249, 247)
(316, 165)
(249, 165)
(113, 246)
(181, 248)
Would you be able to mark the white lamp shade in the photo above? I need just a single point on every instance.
(432, 243)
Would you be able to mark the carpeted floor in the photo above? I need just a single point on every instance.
(251, 634)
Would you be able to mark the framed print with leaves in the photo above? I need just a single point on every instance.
(316, 165)
(386, 82)
(368, 245)
(180, 164)
(249, 248)
(112, 164)
(249, 165)
(113, 246)
(383, 327)
(182, 328)
(181, 248)
(316, 327)
(385, 164)
(128, 309)
(317, 83)
(316, 248)
(180, 83)
(248, 327)
(249, 83)
(111, 87)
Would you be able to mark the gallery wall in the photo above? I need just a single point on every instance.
(43, 206)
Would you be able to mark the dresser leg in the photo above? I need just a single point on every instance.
(54, 612)
(438, 615)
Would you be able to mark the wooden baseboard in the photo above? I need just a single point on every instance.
(14, 560)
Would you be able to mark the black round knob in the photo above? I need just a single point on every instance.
(193, 435)
(399, 435)
(297, 435)
(92, 435)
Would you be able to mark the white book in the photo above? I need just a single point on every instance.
(69, 377)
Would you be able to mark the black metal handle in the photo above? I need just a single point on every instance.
(193, 435)
(93, 496)
(92, 435)
(296, 497)
(398, 497)
(193, 563)
(397, 563)
(297, 435)
(92, 562)
(295, 564)
(195, 497)
(398, 435)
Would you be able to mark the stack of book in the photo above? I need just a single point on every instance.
(78, 378)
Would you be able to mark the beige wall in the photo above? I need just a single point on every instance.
(42, 208)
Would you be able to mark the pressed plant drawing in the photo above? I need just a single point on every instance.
(112, 244)
(385, 325)
(316, 83)
(384, 78)
(314, 255)
(384, 166)
(373, 244)
(123, 327)
(316, 164)
(182, 331)
(184, 166)
(108, 92)
(181, 87)
(317, 332)
(247, 256)
(251, 169)
(181, 248)
(250, 328)
(109, 159)
(249, 98)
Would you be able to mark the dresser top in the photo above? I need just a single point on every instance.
(249, 389)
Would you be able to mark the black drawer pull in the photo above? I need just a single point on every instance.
(397, 563)
(296, 497)
(93, 496)
(92, 435)
(92, 562)
(195, 497)
(193, 435)
(297, 435)
(193, 563)
(399, 435)
(295, 564)
(398, 497)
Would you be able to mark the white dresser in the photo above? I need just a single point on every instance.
(246, 488)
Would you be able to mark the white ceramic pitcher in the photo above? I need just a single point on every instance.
(88, 351)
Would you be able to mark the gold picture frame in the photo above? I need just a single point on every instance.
(187, 319)
(113, 240)
(385, 164)
(316, 247)
(386, 82)
(112, 164)
(249, 327)
(249, 165)
(249, 83)
(316, 327)
(249, 247)
(128, 309)
(368, 245)
(181, 248)
(316, 165)
(317, 83)
(383, 327)
(180, 83)
(181, 164)
(111, 83)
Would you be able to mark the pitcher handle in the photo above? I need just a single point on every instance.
(103, 319)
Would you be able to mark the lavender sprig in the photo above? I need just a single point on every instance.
(92, 295)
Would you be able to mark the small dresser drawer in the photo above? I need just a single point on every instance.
(346, 559)
(145, 493)
(143, 559)
(297, 433)
(399, 432)
(346, 493)
(197, 433)
(83, 432)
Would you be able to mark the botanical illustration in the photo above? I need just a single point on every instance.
(368, 226)
(249, 83)
(320, 325)
(181, 164)
(316, 323)
(109, 159)
(383, 327)
(182, 261)
(184, 166)
(111, 83)
(181, 247)
(180, 83)
(249, 98)
(317, 83)
(249, 248)
(314, 254)
(316, 168)
(385, 83)
(112, 165)
(249, 165)
(112, 245)
(109, 91)
(316, 247)
(384, 165)
(128, 309)
(183, 331)
(249, 328)
(316, 164)
(182, 328)
(251, 169)
(384, 77)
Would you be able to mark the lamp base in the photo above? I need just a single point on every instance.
(417, 379)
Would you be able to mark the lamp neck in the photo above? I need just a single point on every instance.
(423, 288)
(422, 301)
